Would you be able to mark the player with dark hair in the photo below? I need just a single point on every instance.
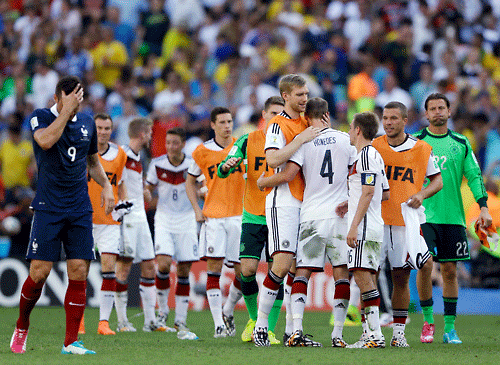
(175, 229)
(221, 217)
(249, 149)
(444, 231)
(408, 162)
(106, 229)
(65, 146)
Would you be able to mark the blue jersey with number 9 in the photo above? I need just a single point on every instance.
(62, 169)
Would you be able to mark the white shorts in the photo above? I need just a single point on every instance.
(106, 238)
(181, 246)
(220, 239)
(395, 249)
(322, 239)
(136, 241)
(283, 225)
(365, 256)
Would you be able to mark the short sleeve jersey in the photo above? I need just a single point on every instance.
(225, 196)
(171, 183)
(62, 169)
(281, 130)
(113, 162)
(133, 180)
(456, 159)
(325, 164)
(368, 169)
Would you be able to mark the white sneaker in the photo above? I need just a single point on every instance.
(399, 341)
(156, 327)
(369, 342)
(162, 319)
(183, 332)
(220, 332)
(125, 327)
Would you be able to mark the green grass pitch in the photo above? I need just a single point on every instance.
(480, 334)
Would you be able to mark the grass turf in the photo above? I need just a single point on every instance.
(480, 335)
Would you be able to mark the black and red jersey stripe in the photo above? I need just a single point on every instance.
(132, 164)
(171, 177)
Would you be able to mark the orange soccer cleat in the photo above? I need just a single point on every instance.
(104, 329)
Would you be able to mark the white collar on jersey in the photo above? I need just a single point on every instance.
(56, 113)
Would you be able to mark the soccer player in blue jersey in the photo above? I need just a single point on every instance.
(65, 146)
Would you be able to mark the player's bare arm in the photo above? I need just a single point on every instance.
(122, 191)
(148, 191)
(277, 157)
(97, 173)
(193, 197)
(47, 137)
(386, 195)
(282, 177)
(230, 163)
(367, 193)
(435, 184)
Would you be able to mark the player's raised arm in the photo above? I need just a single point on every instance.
(281, 177)
(234, 158)
(97, 173)
(47, 137)
(277, 157)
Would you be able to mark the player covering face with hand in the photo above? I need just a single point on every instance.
(65, 146)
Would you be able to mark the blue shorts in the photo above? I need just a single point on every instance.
(51, 230)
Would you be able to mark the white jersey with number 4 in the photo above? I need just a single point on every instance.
(172, 198)
(133, 179)
(368, 169)
(325, 164)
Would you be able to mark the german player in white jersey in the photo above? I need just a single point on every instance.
(175, 228)
(136, 241)
(285, 133)
(366, 226)
(325, 165)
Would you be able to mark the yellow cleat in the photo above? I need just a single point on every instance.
(272, 338)
(246, 335)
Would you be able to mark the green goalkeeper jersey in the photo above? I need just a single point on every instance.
(250, 148)
(456, 159)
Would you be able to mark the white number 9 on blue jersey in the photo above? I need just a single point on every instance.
(72, 153)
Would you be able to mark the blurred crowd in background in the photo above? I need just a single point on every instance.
(174, 60)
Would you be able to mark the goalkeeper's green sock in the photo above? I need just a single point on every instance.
(250, 290)
(276, 309)
(450, 313)
(428, 310)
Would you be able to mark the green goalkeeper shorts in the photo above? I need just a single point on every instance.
(254, 239)
(446, 242)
